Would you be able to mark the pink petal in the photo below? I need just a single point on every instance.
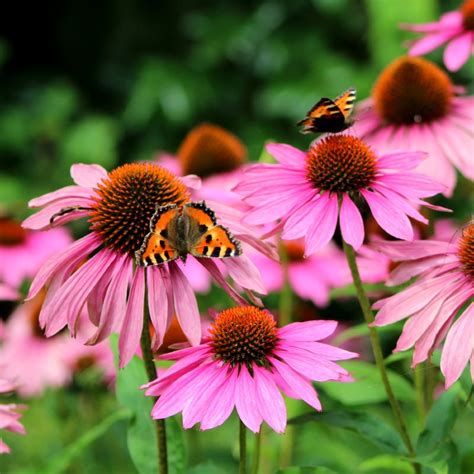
(458, 51)
(403, 160)
(412, 250)
(430, 42)
(246, 401)
(317, 290)
(191, 181)
(244, 272)
(157, 304)
(322, 228)
(412, 184)
(352, 226)
(269, 399)
(197, 406)
(68, 192)
(88, 175)
(323, 350)
(459, 346)
(296, 225)
(129, 338)
(221, 406)
(286, 154)
(185, 305)
(307, 331)
(389, 217)
(297, 384)
(115, 301)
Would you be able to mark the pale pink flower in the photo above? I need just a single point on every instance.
(8, 294)
(98, 271)
(303, 191)
(245, 363)
(9, 415)
(23, 252)
(455, 28)
(413, 107)
(36, 363)
(445, 285)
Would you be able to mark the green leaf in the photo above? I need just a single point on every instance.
(64, 460)
(439, 422)
(363, 330)
(205, 468)
(368, 426)
(386, 463)
(141, 436)
(368, 387)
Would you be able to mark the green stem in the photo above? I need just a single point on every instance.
(243, 449)
(419, 379)
(377, 349)
(150, 368)
(256, 452)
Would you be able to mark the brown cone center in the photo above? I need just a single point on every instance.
(412, 90)
(11, 232)
(466, 251)
(467, 11)
(243, 335)
(341, 163)
(126, 200)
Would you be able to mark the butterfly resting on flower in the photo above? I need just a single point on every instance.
(192, 229)
(330, 116)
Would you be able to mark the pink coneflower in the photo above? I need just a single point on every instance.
(303, 190)
(245, 363)
(8, 294)
(445, 285)
(36, 363)
(9, 415)
(119, 206)
(456, 28)
(23, 252)
(414, 107)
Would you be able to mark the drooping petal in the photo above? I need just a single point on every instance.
(245, 401)
(403, 160)
(458, 51)
(308, 330)
(244, 272)
(185, 305)
(130, 332)
(352, 226)
(430, 42)
(389, 217)
(269, 400)
(157, 304)
(286, 154)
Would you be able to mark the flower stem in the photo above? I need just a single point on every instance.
(256, 451)
(150, 368)
(377, 348)
(243, 448)
(420, 386)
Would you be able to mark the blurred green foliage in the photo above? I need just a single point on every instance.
(115, 81)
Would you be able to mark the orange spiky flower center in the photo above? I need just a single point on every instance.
(467, 11)
(11, 232)
(466, 251)
(243, 335)
(126, 200)
(294, 251)
(341, 163)
(209, 149)
(412, 90)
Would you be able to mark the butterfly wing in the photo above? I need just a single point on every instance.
(206, 237)
(345, 102)
(324, 116)
(157, 247)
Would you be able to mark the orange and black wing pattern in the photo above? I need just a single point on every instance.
(156, 248)
(213, 240)
(330, 116)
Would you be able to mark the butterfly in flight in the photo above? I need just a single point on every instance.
(192, 229)
(330, 116)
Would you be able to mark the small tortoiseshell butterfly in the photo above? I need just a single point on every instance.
(192, 229)
(330, 116)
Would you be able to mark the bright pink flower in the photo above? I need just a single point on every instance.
(8, 294)
(119, 206)
(23, 252)
(445, 284)
(414, 107)
(9, 415)
(303, 190)
(245, 363)
(455, 28)
(36, 363)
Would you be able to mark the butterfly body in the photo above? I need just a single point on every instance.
(192, 229)
(330, 116)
